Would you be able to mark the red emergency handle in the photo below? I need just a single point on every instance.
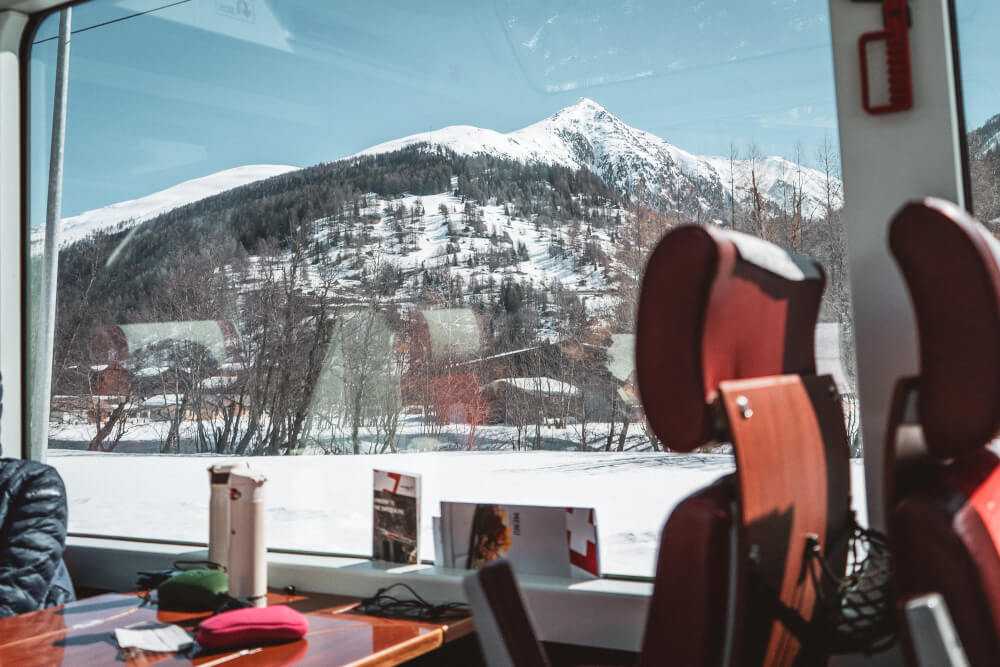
(896, 36)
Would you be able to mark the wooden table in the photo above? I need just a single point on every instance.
(81, 633)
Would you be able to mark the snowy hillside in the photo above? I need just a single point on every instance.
(985, 139)
(586, 135)
(145, 208)
(434, 235)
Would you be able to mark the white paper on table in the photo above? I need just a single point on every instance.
(160, 638)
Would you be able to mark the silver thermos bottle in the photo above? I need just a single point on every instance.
(218, 512)
(247, 538)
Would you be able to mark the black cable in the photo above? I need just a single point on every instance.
(117, 20)
(415, 608)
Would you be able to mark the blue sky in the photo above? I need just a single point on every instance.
(214, 84)
(978, 21)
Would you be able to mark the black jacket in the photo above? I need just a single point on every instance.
(32, 537)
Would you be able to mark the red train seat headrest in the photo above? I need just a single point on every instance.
(951, 265)
(717, 305)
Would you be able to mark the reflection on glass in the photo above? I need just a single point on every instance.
(303, 229)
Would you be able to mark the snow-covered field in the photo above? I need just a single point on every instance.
(323, 503)
(413, 435)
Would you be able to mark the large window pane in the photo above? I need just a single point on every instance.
(981, 103)
(338, 236)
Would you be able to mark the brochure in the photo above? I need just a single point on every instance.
(551, 541)
(396, 517)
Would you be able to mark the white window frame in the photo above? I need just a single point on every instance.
(887, 161)
(12, 25)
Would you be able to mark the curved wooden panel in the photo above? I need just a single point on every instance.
(792, 465)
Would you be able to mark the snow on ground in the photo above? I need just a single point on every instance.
(331, 435)
(323, 503)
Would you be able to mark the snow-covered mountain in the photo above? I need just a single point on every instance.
(985, 139)
(586, 135)
(135, 211)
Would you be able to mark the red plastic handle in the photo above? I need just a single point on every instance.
(896, 36)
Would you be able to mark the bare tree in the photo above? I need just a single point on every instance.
(638, 234)
(755, 198)
(733, 157)
(795, 216)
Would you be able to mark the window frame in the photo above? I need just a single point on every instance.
(13, 27)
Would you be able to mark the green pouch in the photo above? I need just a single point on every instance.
(193, 590)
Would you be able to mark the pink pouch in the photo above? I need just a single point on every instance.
(252, 626)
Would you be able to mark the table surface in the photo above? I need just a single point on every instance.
(81, 633)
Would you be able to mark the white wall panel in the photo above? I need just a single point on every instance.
(887, 161)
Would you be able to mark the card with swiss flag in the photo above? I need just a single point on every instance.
(550, 541)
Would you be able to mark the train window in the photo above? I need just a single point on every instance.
(338, 236)
(981, 102)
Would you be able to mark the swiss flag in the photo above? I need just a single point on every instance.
(581, 534)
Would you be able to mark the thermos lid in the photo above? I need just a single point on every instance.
(228, 467)
(247, 477)
(219, 473)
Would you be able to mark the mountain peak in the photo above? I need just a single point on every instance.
(582, 107)
(587, 103)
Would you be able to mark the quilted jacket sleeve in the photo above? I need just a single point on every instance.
(32, 533)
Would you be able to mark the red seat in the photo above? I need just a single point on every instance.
(718, 306)
(944, 514)
(718, 309)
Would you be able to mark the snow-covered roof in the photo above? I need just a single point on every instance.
(163, 400)
(543, 386)
(218, 382)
